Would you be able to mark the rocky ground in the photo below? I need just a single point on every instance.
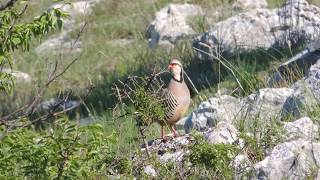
(296, 154)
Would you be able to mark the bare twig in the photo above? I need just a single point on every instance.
(7, 4)
(144, 141)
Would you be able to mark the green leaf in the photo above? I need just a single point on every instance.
(16, 41)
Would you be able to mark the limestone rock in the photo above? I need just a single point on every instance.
(295, 22)
(249, 4)
(172, 157)
(149, 170)
(62, 42)
(172, 150)
(223, 133)
(20, 77)
(266, 104)
(210, 112)
(171, 24)
(289, 160)
(74, 10)
(242, 165)
(302, 128)
(61, 105)
(306, 94)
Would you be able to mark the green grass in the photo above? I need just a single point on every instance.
(103, 61)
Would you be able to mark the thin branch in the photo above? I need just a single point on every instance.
(7, 4)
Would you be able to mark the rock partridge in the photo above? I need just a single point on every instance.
(176, 97)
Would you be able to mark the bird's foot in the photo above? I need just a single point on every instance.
(175, 135)
(164, 140)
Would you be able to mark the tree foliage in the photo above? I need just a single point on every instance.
(15, 34)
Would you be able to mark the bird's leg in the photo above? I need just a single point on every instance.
(175, 132)
(162, 135)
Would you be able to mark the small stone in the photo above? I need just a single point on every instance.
(172, 157)
(223, 133)
(149, 170)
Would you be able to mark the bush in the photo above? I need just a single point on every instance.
(215, 158)
(65, 150)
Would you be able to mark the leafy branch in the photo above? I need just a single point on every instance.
(18, 35)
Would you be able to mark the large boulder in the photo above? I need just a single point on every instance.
(210, 112)
(74, 10)
(302, 128)
(171, 23)
(296, 21)
(306, 94)
(21, 77)
(266, 103)
(62, 42)
(249, 4)
(290, 160)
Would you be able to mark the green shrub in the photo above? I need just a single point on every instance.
(215, 158)
(252, 148)
(64, 151)
(148, 106)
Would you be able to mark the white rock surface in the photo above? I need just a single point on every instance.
(149, 170)
(249, 4)
(266, 103)
(302, 128)
(62, 42)
(223, 133)
(20, 77)
(306, 94)
(172, 157)
(293, 23)
(210, 112)
(289, 160)
(171, 23)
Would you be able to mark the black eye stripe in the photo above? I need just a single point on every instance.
(175, 64)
